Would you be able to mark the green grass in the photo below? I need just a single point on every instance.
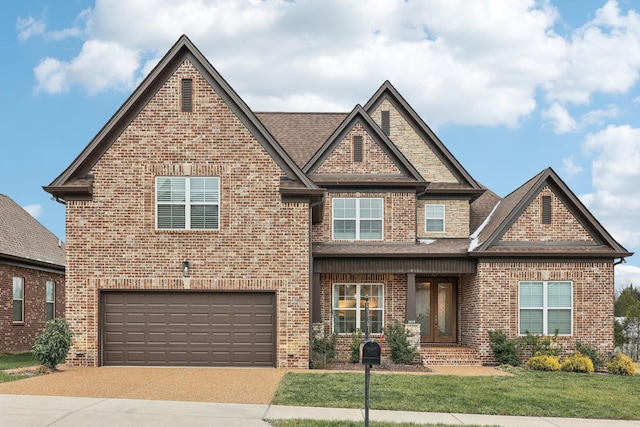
(528, 393)
(319, 423)
(11, 361)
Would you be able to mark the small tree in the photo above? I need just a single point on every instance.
(402, 351)
(52, 345)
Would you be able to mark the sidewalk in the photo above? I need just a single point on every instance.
(40, 411)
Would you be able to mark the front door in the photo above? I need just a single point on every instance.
(436, 310)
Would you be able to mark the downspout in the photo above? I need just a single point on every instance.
(311, 206)
(622, 261)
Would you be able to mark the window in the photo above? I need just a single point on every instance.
(357, 219)
(187, 95)
(348, 307)
(18, 299)
(50, 300)
(546, 307)
(187, 203)
(434, 218)
(546, 209)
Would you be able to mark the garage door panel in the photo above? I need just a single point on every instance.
(188, 328)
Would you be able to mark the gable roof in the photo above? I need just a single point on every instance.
(387, 91)
(23, 240)
(511, 208)
(359, 116)
(74, 182)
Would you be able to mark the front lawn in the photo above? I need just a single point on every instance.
(13, 361)
(528, 393)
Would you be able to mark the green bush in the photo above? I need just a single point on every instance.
(577, 362)
(505, 351)
(324, 350)
(52, 345)
(356, 339)
(534, 345)
(621, 364)
(591, 352)
(544, 362)
(400, 348)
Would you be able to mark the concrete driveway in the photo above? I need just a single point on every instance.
(222, 385)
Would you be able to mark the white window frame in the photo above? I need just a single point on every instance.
(358, 308)
(187, 203)
(545, 308)
(50, 302)
(427, 218)
(357, 218)
(18, 281)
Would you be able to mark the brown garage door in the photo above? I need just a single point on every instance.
(188, 328)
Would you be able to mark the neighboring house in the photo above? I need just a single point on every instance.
(202, 233)
(32, 262)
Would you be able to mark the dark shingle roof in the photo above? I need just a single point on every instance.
(301, 134)
(23, 237)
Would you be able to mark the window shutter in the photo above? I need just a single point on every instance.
(357, 148)
(187, 95)
(546, 209)
(386, 126)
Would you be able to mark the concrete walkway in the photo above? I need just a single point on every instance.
(53, 411)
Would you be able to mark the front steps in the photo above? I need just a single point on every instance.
(449, 355)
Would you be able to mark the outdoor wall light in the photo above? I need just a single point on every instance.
(185, 268)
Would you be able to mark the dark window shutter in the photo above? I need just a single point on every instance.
(357, 148)
(187, 95)
(386, 126)
(546, 209)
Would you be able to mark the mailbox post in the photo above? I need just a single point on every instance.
(369, 355)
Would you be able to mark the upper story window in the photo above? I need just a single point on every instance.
(50, 300)
(545, 307)
(188, 203)
(434, 218)
(357, 218)
(18, 299)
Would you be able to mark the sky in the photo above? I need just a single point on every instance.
(511, 87)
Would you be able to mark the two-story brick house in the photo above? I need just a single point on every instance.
(202, 233)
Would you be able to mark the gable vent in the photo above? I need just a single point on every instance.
(385, 124)
(546, 209)
(187, 95)
(357, 148)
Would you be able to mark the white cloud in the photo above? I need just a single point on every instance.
(616, 181)
(570, 168)
(33, 210)
(28, 27)
(560, 119)
(626, 275)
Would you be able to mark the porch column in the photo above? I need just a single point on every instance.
(316, 312)
(411, 298)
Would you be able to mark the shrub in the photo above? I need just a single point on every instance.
(544, 362)
(591, 352)
(356, 339)
(534, 345)
(621, 364)
(505, 351)
(52, 345)
(324, 350)
(577, 362)
(401, 349)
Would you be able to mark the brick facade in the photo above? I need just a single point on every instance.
(456, 221)
(19, 337)
(113, 244)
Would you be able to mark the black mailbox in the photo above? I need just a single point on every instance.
(370, 353)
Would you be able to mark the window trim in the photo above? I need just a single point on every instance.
(187, 204)
(444, 216)
(359, 310)
(357, 218)
(47, 302)
(545, 306)
(20, 281)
